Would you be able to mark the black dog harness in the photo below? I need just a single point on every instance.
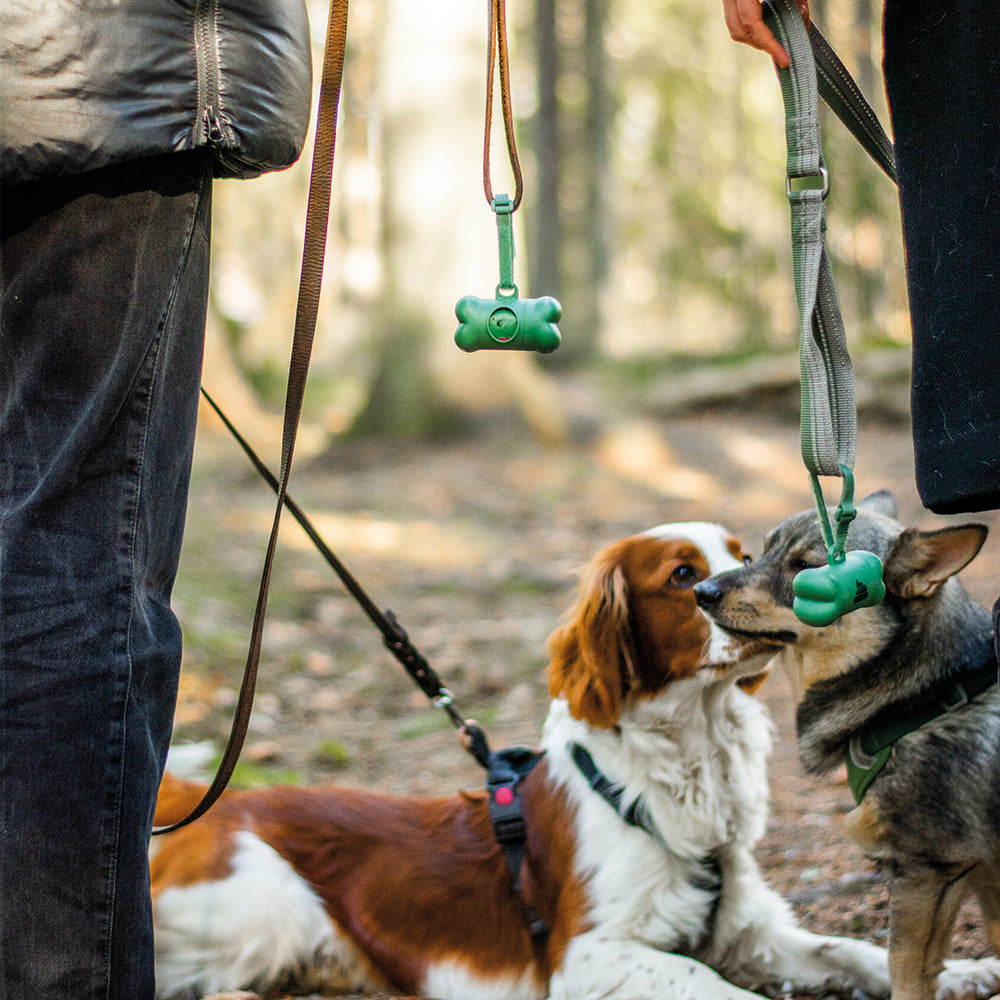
(505, 770)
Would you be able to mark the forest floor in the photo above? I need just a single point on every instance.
(475, 543)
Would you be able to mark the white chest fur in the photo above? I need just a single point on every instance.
(697, 756)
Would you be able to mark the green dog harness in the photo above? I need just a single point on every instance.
(868, 751)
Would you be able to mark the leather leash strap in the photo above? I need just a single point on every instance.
(310, 282)
(497, 53)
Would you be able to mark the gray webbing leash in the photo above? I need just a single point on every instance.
(828, 416)
(828, 419)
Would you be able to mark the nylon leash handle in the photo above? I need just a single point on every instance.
(828, 417)
(828, 424)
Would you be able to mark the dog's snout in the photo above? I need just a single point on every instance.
(707, 593)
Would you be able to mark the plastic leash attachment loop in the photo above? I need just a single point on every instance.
(506, 322)
(850, 580)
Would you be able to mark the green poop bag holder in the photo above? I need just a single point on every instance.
(504, 322)
(851, 579)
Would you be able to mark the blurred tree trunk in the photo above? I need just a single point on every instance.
(439, 234)
(545, 263)
(599, 125)
(573, 147)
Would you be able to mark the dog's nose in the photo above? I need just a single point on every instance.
(707, 593)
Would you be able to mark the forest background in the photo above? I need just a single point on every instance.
(654, 210)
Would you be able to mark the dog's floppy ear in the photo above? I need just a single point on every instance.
(591, 654)
(880, 502)
(921, 561)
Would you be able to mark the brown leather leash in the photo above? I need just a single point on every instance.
(307, 306)
(497, 53)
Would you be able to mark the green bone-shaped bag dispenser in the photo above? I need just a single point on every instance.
(850, 580)
(505, 322)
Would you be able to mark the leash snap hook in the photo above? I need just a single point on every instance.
(846, 512)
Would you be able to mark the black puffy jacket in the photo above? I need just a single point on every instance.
(89, 83)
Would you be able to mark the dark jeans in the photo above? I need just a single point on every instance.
(942, 74)
(104, 295)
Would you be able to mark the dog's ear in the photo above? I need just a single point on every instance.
(880, 502)
(921, 561)
(591, 654)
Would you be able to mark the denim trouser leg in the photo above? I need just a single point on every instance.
(104, 295)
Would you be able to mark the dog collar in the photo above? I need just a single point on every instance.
(869, 750)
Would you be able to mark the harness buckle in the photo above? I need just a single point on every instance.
(508, 828)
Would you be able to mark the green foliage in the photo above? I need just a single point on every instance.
(251, 774)
(332, 753)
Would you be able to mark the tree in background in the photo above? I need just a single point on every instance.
(654, 209)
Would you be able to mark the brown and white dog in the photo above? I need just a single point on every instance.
(334, 889)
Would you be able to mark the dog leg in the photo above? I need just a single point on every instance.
(986, 885)
(978, 977)
(758, 938)
(599, 967)
(923, 905)
(959, 979)
(818, 962)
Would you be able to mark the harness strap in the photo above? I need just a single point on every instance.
(637, 814)
(505, 771)
(869, 750)
(306, 310)
(707, 876)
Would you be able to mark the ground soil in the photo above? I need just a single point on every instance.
(475, 543)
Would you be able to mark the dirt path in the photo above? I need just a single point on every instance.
(475, 544)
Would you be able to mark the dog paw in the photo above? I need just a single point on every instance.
(969, 979)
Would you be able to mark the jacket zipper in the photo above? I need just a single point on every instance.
(211, 127)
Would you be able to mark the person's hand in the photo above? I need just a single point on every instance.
(745, 21)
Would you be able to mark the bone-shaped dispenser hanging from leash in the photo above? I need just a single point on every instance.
(850, 580)
(505, 322)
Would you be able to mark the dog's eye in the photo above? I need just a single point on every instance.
(684, 576)
(797, 565)
(747, 560)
